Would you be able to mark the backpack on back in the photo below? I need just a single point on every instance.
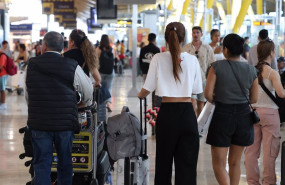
(11, 68)
(106, 61)
(124, 137)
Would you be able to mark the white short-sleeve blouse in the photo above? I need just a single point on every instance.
(160, 76)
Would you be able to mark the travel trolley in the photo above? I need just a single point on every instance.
(91, 164)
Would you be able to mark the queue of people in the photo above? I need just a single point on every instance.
(185, 77)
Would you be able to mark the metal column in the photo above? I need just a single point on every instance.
(134, 92)
(205, 19)
(165, 14)
(277, 24)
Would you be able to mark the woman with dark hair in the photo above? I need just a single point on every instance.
(267, 131)
(230, 84)
(23, 55)
(83, 51)
(215, 44)
(175, 76)
(106, 56)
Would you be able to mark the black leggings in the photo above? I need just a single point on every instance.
(176, 137)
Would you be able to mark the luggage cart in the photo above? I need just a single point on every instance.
(90, 162)
(84, 149)
(87, 149)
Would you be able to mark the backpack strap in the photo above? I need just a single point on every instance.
(125, 109)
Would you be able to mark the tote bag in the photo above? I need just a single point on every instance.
(205, 118)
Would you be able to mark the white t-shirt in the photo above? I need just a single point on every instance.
(161, 79)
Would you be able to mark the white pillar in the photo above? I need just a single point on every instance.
(277, 24)
(205, 20)
(133, 92)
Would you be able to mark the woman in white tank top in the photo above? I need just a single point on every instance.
(267, 131)
(217, 49)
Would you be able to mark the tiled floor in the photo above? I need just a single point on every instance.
(13, 171)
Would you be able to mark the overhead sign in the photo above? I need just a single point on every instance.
(119, 2)
(57, 6)
(65, 17)
(21, 27)
(69, 24)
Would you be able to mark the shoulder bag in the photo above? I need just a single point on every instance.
(253, 114)
(278, 102)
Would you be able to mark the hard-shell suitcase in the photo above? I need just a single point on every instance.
(103, 168)
(136, 169)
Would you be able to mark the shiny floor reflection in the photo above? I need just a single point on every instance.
(13, 171)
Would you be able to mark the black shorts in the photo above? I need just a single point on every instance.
(231, 124)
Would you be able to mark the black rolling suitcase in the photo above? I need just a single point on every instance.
(136, 169)
(282, 163)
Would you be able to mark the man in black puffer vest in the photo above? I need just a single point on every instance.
(51, 82)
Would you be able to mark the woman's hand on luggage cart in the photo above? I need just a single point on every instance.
(81, 105)
(97, 84)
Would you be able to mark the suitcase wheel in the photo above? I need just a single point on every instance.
(94, 182)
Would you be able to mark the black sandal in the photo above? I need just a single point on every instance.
(109, 109)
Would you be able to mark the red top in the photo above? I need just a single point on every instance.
(3, 62)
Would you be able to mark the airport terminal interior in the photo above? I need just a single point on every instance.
(128, 25)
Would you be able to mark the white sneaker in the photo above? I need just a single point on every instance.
(3, 106)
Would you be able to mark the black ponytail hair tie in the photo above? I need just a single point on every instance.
(173, 28)
(83, 39)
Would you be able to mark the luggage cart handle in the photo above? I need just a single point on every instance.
(87, 108)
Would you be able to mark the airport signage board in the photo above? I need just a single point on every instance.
(120, 2)
(57, 6)
(69, 24)
(21, 27)
(65, 17)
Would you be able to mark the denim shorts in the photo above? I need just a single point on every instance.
(200, 97)
(3, 82)
(231, 125)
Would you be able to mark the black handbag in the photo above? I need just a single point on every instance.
(253, 114)
(279, 102)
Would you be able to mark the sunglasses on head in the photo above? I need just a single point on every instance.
(196, 53)
(268, 40)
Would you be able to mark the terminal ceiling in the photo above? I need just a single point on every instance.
(83, 7)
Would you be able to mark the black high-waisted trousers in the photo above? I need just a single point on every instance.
(176, 138)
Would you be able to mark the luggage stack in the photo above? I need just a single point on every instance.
(127, 139)
(136, 171)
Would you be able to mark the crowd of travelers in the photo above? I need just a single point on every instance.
(225, 72)
(229, 74)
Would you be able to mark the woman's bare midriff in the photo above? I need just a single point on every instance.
(176, 99)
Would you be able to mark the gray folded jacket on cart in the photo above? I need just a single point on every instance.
(124, 135)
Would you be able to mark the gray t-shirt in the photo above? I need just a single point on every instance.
(227, 89)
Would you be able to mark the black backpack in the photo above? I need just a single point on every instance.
(106, 61)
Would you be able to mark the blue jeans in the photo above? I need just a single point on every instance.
(43, 154)
(108, 79)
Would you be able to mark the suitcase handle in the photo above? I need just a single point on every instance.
(143, 132)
